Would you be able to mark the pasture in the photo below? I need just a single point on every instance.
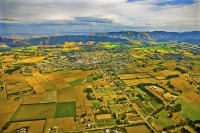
(65, 109)
(34, 112)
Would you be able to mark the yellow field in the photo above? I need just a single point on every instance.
(36, 126)
(33, 99)
(80, 111)
(79, 103)
(65, 91)
(69, 44)
(127, 76)
(88, 103)
(166, 73)
(16, 125)
(182, 84)
(6, 111)
(133, 76)
(2, 96)
(70, 49)
(39, 89)
(191, 97)
(39, 77)
(69, 79)
(66, 98)
(32, 81)
(66, 95)
(138, 129)
(81, 74)
(57, 75)
(49, 97)
(32, 59)
(60, 84)
(102, 82)
(3, 45)
(66, 124)
(81, 96)
(132, 82)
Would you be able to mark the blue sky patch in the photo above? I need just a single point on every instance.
(175, 2)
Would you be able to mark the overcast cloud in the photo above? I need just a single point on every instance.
(55, 16)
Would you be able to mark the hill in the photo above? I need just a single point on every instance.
(124, 37)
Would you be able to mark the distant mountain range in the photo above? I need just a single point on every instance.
(123, 37)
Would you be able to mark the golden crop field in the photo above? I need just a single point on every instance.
(191, 97)
(32, 59)
(39, 89)
(182, 84)
(66, 124)
(60, 84)
(132, 82)
(32, 99)
(39, 77)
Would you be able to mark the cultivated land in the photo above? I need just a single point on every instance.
(96, 87)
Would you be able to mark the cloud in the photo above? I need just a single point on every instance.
(104, 15)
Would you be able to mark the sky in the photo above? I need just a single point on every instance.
(87, 16)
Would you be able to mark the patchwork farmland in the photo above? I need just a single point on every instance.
(67, 89)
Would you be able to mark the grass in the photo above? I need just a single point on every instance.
(100, 131)
(17, 48)
(110, 122)
(65, 109)
(143, 112)
(155, 104)
(96, 103)
(115, 109)
(34, 112)
(77, 82)
(89, 80)
(109, 45)
(163, 120)
(101, 123)
(188, 111)
(48, 86)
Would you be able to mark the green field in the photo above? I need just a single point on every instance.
(34, 112)
(163, 121)
(77, 82)
(109, 45)
(65, 109)
(188, 111)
